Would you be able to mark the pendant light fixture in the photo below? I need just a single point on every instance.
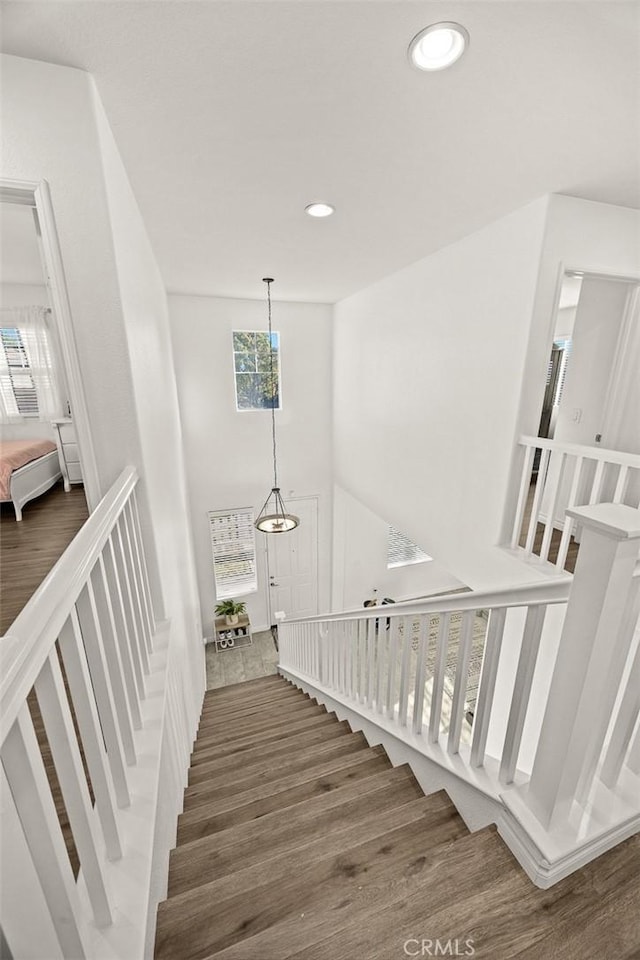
(274, 518)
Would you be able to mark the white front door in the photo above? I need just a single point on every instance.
(292, 564)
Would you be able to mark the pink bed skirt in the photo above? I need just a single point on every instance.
(14, 454)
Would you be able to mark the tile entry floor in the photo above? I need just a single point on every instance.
(225, 667)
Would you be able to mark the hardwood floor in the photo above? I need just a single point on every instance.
(29, 549)
(300, 841)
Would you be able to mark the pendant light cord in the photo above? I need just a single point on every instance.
(273, 406)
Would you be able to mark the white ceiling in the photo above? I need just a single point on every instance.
(232, 116)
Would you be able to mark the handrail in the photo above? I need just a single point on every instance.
(582, 450)
(530, 594)
(25, 648)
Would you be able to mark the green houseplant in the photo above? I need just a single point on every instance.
(230, 610)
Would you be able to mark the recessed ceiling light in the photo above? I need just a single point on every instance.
(319, 209)
(438, 46)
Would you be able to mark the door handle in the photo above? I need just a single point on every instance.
(274, 584)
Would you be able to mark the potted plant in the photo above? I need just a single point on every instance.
(230, 610)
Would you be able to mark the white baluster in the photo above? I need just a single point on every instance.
(371, 653)
(103, 613)
(58, 724)
(596, 486)
(382, 652)
(525, 484)
(421, 667)
(621, 485)
(633, 759)
(487, 686)
(353, 661)
(143, 628)
(568, 522)
(611, 682)
(521, 691)
(552, 504)
(394, 632)
(625, 724)
(537, 500)
(404, 670)
(79, 680)
(92, 638)
(442, 644)
(129, 656)
(29, 786)
(362, 660)
(146, 591)
(122, 573)
(460, 683)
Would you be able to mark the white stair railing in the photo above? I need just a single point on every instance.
(429, 668)
(568, 475)
(411, 669)
(83, 645)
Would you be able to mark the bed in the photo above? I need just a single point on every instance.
(27, 469)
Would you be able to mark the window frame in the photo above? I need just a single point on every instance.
(278, 357)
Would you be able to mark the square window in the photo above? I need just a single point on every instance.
(256, 363)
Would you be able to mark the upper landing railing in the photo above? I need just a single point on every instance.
(82, 645)
(558, 476)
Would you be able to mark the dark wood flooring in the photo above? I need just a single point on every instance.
(300, 841)
(29, 549)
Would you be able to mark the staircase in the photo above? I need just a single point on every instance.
(298, 840)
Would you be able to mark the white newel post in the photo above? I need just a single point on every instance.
(592, 651)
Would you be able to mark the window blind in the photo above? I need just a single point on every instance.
(16, 374)
(401, 551)
(233, 548)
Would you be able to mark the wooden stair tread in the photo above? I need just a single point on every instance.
(222, 853)
(300, 786)
(369, 909)
(502, 911)
(239, 780)
(268, 752)
(262, 736)
(300, 842)
(255, 898)
(245, 688)
(228, 728)
(267, 701)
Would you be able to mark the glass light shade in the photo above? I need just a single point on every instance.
(438, 46)
(273, 517)
(319, 209)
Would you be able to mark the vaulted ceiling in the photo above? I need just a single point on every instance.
(232, 116)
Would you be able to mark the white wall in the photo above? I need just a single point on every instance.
(429, 363)
(228, 453)
(145, 313)
(360, 560)
(23, 294)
